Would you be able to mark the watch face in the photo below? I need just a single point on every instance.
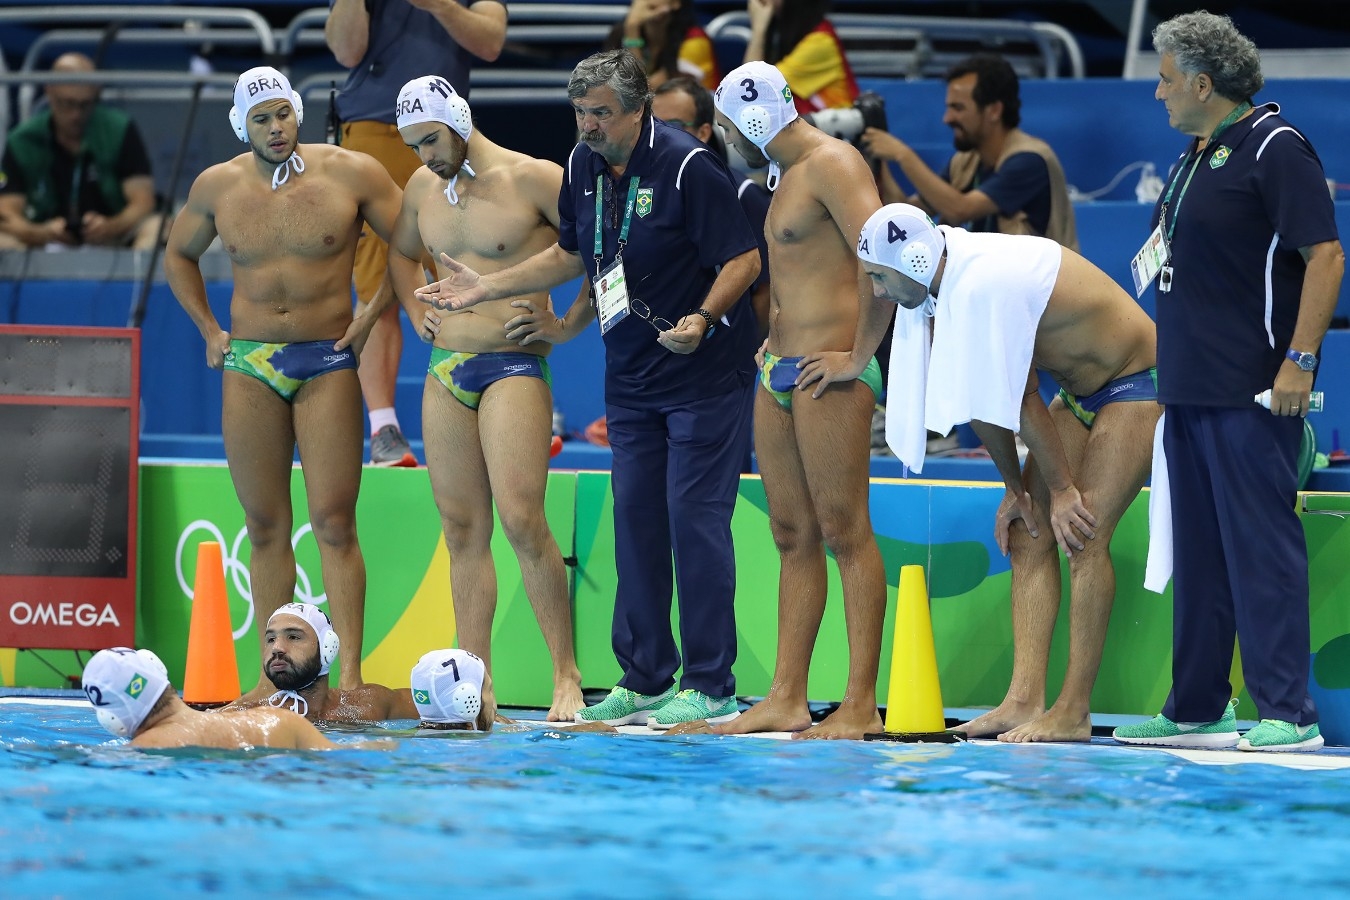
(1305, 361)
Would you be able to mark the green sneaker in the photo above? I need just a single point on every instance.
(691, 706)
(1161, 731)
(1272, 734)
(623, 707)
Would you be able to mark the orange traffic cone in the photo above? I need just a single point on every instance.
(914, 702)
(212, 677)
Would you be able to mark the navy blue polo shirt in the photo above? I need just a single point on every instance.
(403, 43)
(1258, 195)
(1021, 184)
(694, 224)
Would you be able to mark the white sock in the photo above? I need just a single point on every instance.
(382, 417)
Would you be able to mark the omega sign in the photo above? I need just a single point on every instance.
(69, 409)
(62, 615)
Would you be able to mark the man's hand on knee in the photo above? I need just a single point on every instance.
(1070, 518)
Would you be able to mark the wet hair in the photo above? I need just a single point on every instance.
(677, 26)
(995, 82)
(791, 25)
(620, 70)
(702, 97)
(165, 698)
(1203, 42)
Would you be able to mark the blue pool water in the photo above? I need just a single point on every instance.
(534, 811)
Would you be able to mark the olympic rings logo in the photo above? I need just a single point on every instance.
(237, 571)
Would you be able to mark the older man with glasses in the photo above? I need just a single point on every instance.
(675, 247)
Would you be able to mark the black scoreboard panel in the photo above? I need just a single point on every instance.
(69, 417)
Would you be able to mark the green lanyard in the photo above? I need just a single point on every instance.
(1232, 117)
(600, 212)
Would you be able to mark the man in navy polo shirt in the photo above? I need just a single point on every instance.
(651, 216)
(1248, 282)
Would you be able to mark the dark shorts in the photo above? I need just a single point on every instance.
(779, 376)
(1139, 386)
(467, 375)
(285, 368)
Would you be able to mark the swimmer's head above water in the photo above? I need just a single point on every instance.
(447, 688)
(299, 647)
(124, 685)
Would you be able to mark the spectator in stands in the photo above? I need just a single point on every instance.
(77, 173)
(795, 36)
(487, 402)
(1001, 178)
(1253, 269)
(686, 104)
(651, 209)
(667, 38)
(812, 447)
(386, 44)
(288, 215)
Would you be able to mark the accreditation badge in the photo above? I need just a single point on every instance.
(611, 296)
(1151, 259)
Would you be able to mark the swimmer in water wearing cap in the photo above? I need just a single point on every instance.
(288, 215)
(487, 405)
(131, 695)
(1019, 304)
(813, 447)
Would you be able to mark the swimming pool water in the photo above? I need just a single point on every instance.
(535, 811)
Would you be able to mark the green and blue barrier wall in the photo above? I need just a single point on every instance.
(944, 526)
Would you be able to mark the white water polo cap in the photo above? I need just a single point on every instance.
(258, 85)
(757, 100)
(433, 99)
(124, 685)
(447, 686)
(320, 624)
(902, 237)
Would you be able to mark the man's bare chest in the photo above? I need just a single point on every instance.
(477, 226)
(311, 220)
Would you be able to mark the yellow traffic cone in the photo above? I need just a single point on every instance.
(914, 701)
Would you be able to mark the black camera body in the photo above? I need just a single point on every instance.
(868, 111)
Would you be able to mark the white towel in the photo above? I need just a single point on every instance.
(993, 292)
(1158, 569)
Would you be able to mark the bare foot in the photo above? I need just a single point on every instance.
(1007, 715)
(697, 726)
(1053, 725)
(770, 714)
(567, 699)
(849, 722)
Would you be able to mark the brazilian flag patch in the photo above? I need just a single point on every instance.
(422, 698)
(644, 202)
(1220, 157)
(136, 687)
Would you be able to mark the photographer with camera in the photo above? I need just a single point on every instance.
(1001, 179)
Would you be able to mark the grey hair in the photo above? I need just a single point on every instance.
(1203, 42)
(619, 69)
